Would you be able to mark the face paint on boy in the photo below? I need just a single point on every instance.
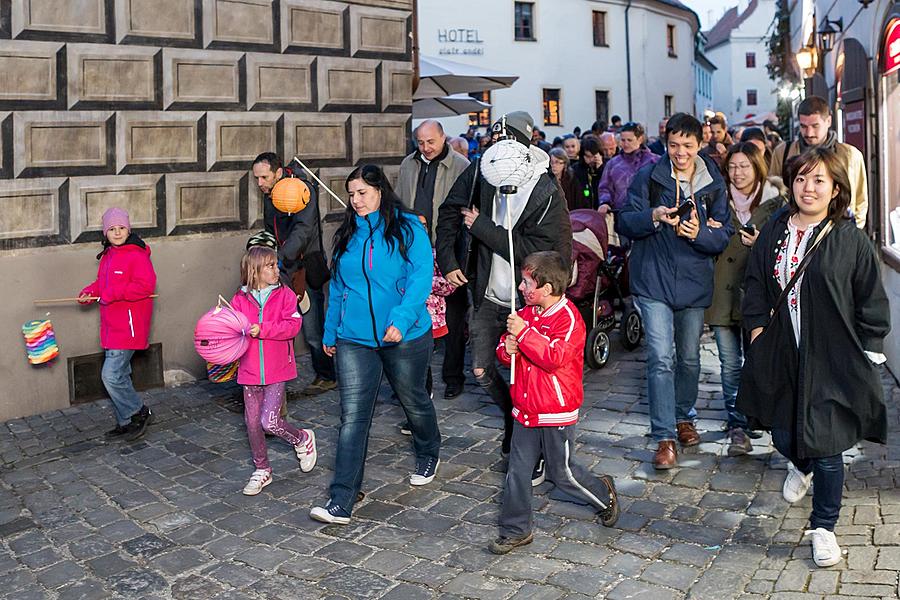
(533, 293)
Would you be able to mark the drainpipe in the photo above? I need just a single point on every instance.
(414, 34)
(628, 56)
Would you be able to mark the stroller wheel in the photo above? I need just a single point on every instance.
(631, 329)
(596, 350)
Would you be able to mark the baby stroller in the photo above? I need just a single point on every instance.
(600, 287)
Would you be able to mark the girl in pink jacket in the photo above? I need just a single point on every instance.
(124, 284)
(269, 363)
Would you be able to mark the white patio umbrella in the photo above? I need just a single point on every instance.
(439, 78)
(448, 106)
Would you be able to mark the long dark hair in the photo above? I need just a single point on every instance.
(398, 228)
(836, 166)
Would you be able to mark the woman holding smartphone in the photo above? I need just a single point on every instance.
(754, 199)
(817, 315)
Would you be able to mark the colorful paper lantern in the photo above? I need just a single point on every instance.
(290, 195)
(40, 341)
(222, 335)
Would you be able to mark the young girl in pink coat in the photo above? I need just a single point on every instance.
(269, 363)
(124, 284)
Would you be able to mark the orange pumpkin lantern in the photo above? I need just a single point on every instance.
(290, 195)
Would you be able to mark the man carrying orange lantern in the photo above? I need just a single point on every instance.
(291, 215)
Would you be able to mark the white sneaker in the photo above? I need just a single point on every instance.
(796, 484)
(306, 452)
(825, 549)
(260, 479)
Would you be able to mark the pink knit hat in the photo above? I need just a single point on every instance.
(115, 216)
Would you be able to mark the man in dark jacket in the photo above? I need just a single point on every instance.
(540, 222)
(586, 173)
(299, 237)
(671, 274)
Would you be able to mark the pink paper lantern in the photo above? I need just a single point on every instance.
(222, 335)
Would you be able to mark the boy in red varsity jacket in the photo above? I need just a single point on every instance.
(546, 341)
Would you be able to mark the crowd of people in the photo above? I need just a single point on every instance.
(757, 238)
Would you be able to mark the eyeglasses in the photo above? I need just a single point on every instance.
(738, 167)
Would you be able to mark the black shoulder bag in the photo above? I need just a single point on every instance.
(800, 268)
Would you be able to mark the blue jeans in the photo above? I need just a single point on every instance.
(730, 343)
(673, 364)
(116, 376)
(828, 480)
(360, 369)
(312, 328)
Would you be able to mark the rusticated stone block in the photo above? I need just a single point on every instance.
(377, 31)
(196, 77)
(239, 137)
(308, 24)
(89, 197)
(85, 17)
(392, 172)
(401, 4)
(376, 137)
(230, 22)
(162, 19)
(317, 136)
(203, 199)
(279, 81)
(335, 179)
(5, 145)
(396, 85)
(346, 82)
(30, 208)
(28, 72)
(60, 142)
(110, 74)
(164, 140)
(254, 205)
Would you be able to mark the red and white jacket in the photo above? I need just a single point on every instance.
(549, 366)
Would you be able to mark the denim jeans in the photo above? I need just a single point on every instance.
(116, 376)
(312, 328)
(828, 480)
(360, 369)
(487, 325)
(673, 364)
(731, 343)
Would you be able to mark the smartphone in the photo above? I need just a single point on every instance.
(749, 229)
(685, 209)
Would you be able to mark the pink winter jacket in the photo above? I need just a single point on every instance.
(270, 358)
(125, 281)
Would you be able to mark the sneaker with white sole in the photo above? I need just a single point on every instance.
(796, 484)
(260, 479)
(825, 549)
(539, 474)
(330, 513)
(306, 451)
(426, 469)
(405, 429)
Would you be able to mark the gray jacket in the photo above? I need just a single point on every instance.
(449, 169)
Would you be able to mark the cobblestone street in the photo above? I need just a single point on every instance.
(165, 517)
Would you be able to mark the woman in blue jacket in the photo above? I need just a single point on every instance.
(377, 324)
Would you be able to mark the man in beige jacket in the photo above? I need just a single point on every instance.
(815, 130)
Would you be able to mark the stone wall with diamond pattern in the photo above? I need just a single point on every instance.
(158, 106)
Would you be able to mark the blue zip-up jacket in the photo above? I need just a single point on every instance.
(372, 287)
(662, 265)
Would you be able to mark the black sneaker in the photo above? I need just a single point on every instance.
(610, 514)
(405, 430)
(539, 475)
(502, 544)
(119, 431)
(426, 469)
(331, 513)
(453, 390)
(138, 426)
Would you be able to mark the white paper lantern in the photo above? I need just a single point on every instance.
(507, 164)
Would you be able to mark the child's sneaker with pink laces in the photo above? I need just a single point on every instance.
(306, 451)
(260, 479)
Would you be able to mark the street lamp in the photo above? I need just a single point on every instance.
(807, 60)
(827, 33)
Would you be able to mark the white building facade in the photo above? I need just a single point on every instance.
(737, 45)
(860, 77)
(577, 60)
(704, 71)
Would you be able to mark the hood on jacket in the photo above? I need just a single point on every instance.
(133, 239)
(664, 171)
(541, 161)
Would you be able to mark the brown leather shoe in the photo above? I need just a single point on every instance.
(687, 434)
(666, 456)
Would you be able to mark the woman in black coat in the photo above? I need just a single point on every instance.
(810, 374)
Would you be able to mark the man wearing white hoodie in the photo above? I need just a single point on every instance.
(540, 222)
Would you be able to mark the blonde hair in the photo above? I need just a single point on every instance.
(252, 265)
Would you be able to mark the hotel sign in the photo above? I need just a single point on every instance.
(460, 41)
(892, 48)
